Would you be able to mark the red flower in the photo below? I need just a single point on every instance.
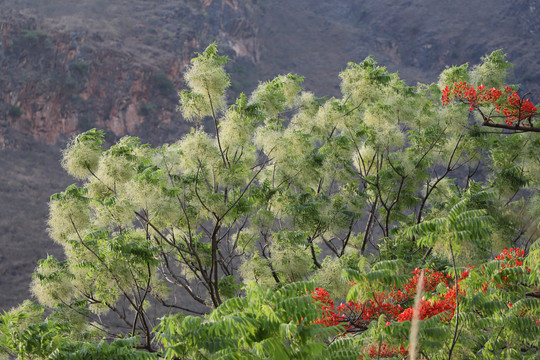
(514, 108)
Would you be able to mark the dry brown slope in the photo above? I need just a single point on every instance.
(27, 179)
(417, 38)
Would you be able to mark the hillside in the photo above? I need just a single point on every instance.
(117, 65)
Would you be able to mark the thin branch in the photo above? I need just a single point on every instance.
(454, 340)
(225, 162)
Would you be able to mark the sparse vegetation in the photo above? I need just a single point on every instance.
(163, 84)
(147, 108)
(33, 39)
(33, 35)
(80, 67)
(15, 111)
(70, 84)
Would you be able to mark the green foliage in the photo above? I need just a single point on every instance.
(22, 332)
(27, 334)
(56, 279)
(362, 82)
(146, 109)
(163, 84)
(80, 67)
(263, 324)
(208, 82)
(33, 35)
(459, 225)
(102, 350)
(380, 277)
(492, 72)
(287, 191)
(15, 111)
(454, 74)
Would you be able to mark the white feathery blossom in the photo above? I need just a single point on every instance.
(81, 156)
(208, 81)
(51, 283)
(66, 217)
(454, 74)
(198, 148)
(493, 71)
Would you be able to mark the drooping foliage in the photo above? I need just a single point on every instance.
(290, 191)
(65, 335)
(264, 324)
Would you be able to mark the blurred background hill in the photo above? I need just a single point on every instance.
(69, 66)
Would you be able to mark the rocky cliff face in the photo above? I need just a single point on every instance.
(57, 83)
(117, 64)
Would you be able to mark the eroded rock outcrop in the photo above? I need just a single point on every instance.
(56, 83)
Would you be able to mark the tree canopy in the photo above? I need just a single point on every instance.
(245, 234)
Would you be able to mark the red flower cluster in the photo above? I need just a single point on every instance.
(428, 308)
(473, 96)
(329, 316)
(513, 256)
(518, 109)
(356, 316)
(509, 258)
(431, 280)
(384, 351)
(514, 108)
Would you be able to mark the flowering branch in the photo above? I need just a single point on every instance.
(518, 113)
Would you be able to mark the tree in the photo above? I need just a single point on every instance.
(288, 188)
(518, 113)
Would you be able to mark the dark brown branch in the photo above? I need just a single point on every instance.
(511, 127)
